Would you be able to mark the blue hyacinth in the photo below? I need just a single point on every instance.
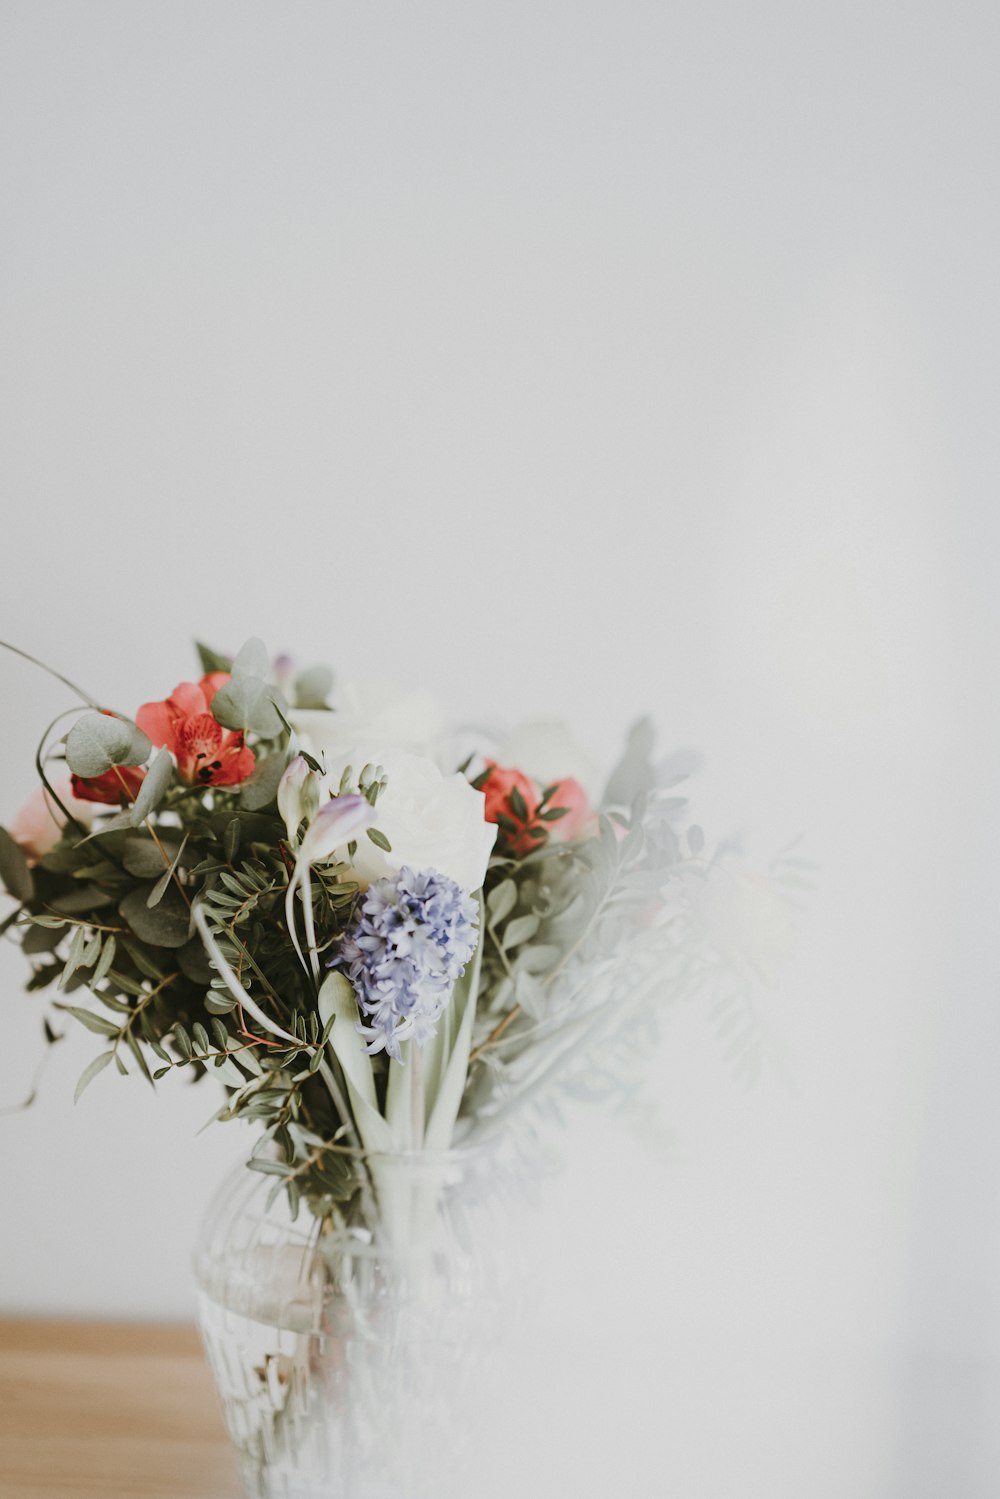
(410, 941)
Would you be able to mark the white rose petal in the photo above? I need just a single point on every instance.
(372, 716)
(432, 820)
(547, 752)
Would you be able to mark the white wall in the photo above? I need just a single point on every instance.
(567, 359)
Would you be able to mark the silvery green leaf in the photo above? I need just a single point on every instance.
(519, 930)
(312, 687)
(261, 788)
(75, 953)
(217, 1003)
(530, 995)
(159, 890)
(143, 859)
(153, 788)
(97, 741)
(634, 772)
(696, 840)
(95, 1023)
(111, 825)
(41, 937)
(229, 1072)
(250, 704)
(106, 959)
(166, 925)
(251, 659)
(14, 870)
(501, 901)
(91, 951)
(90, 1072)
(211, 660)
(540, 958)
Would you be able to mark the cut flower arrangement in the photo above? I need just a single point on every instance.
(383, 939)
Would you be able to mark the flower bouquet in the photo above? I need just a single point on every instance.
(382, 940)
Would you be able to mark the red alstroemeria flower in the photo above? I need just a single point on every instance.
(526, 817)
(206, 753)
(116, 787)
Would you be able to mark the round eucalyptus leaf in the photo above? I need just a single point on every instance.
(251, 659)
(167, 924)
(262, 786)
(248, 703)
(142, 858)
(97, 741)
(312, 687)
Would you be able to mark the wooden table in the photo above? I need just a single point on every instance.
(99, 1410)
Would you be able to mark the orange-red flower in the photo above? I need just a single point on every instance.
(526, 816)
(511, 802)
(206, 753)
(117, 786)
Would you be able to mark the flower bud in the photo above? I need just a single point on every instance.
(338, 822)
(298, 795)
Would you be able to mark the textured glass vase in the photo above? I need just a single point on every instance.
(353, 1365)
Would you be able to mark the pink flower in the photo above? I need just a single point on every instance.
(206, 753)
(578, 821)
(39, 824)
(514, 802)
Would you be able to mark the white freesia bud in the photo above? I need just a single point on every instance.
(298, 795)
(338, 822)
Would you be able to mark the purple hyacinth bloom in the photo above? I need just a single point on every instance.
(410, 941)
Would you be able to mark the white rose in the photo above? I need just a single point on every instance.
(372, 716)
(547, 752)
(432, 821)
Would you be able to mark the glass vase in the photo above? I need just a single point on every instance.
(352, 1363)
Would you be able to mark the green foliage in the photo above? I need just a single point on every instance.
(559, 987)
(98, 741)
(14, 870)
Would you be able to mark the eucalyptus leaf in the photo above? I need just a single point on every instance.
(159, 890)
(312, 687)
(501, 901)
(251, 659)
(261, 788)
(519, 930)
(154, 787)
(142, 858)
(166, 925)
(95, 1023)
(162, 885)
(98, 741)
(106, 959)
(14, 870)
(90, 1072)
(40, 938)
(249, 703)
(211, 661)
(111, 825)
